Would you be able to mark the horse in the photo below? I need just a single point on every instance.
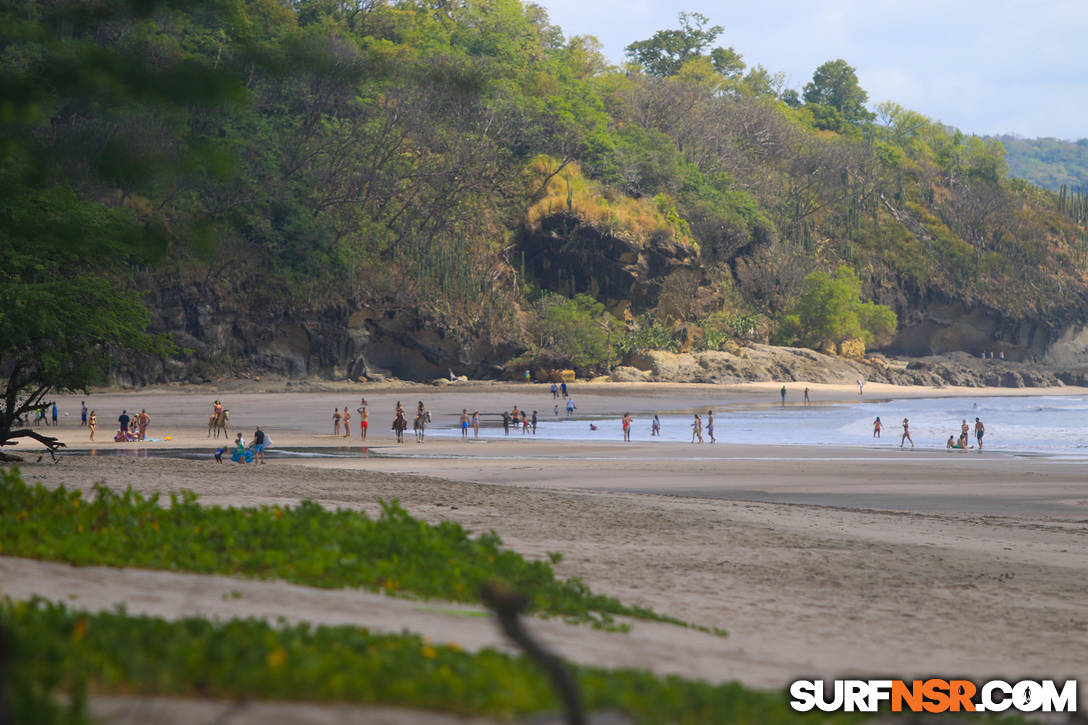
(420, 424)
(218, 423)
(399, 424)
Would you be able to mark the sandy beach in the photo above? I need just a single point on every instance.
(818, 561)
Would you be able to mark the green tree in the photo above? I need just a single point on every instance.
(667, 51)
(577, 331)
(831, 311)
(835, 85)
(75, 133)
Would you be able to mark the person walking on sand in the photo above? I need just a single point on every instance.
(710, 426)
(563, 388)
(877, 426)
(335, 421)
(555, 391)
(364, 423)
(475, 424)
(861, 386)
(906, 434)
(807, 401)
(570, 407)
(54, 414)
(980, 430)
(655, 427)
(464, 424)
(697, 429)
(83, 413)
(347, 422)
(92, 423)
(627, 427)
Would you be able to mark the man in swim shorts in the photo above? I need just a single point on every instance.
(464, 423)
(363, 422)
(980, 430)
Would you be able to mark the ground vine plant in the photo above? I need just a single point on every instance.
(307, 544)
(58, 650)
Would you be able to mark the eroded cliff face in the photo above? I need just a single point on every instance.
(221, 331)
(567, 255)
(932, 324)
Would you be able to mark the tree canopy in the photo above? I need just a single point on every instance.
(837, 96)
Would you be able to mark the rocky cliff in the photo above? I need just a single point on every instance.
(223, 330)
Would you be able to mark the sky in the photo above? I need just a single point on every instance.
(984, 66)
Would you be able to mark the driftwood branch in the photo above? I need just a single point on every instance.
(507, 604)
(50, 442)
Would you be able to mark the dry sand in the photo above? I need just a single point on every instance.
(817, 561)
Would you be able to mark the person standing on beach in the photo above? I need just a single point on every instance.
(782, 392)
(347, 422)
(710, 425)
(906, 434)
(122, 421)
(563, 388)
(877, 426)
(364, 423)
(627, 427)
(570, 407)
(475, 424)
(335, 421)
(83, 413)
(861, 387)
(92, 423)
(506, 423)
(655, 427)
(54, 414)
(555, 391)
(534, 422)
(980, 430)
(143, 420)
(464, 424)
(258, 444)
(697, 429)
(807, 401)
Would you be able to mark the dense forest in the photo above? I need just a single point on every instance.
(1049, 162)
(366, 187)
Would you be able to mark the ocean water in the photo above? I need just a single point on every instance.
(1047, 425)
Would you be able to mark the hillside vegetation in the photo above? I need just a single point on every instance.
(1049, 162)
(465, 164)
